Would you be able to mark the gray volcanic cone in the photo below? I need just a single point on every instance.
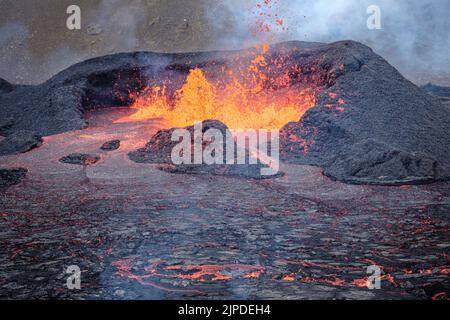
(388, 131)
(369, 125)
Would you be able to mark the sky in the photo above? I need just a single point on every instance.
(35, 44)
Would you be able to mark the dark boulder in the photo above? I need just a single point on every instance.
(80, 159)
(159, 148)
(10, 177)
(159, 151)
(111, 145)
(20, 142)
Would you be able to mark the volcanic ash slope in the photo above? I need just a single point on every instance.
(387, 131)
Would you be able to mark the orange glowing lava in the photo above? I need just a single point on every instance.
(244, 97)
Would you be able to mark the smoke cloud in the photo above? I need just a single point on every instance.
(414, 36)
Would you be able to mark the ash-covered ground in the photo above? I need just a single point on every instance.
(137, 232)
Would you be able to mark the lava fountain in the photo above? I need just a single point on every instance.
(256, 91)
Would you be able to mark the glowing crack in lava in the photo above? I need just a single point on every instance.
(263, 95)
(194, 273)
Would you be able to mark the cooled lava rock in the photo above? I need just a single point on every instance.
(159, 151)
(370, 125)
(80, 159)
(443, 93)
(439, 91)
(5, 86)
(370, 162)
(59, 104)
(159, 148)
(10, 177)
(364, 104)
(20, 142)
(111, 145)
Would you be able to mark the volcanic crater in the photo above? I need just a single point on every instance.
(339, 106)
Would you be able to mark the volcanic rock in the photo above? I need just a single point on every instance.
(111, 145)
(244, 171)
(9, 177)
(159, 148)
(80, 159)
(19, 142)
(370, 162)
(159, 151)
(5, 86)
(5, 125)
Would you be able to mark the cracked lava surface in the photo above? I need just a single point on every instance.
(139, 233)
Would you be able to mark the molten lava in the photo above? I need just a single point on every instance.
(262, 95)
